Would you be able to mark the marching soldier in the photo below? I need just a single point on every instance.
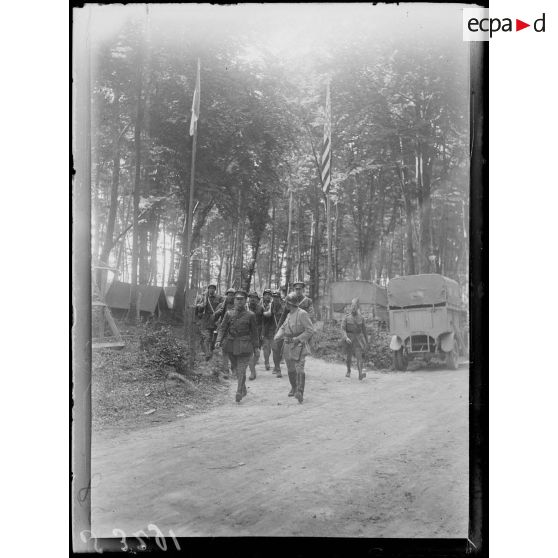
(272, 310)
(356, 338)
(206, 305)
(304, 302)
(222, 309)
(255, 307)
(238, 334)
(277, 309)
(295, 332)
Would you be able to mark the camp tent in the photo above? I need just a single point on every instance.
(170, 293)
(372, 297)
(151, 300)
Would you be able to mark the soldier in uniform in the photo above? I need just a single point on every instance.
(270, 319)
(304, 302)
(295, 332)
(238, 334)
(255, 307)
(355, 337)
(206, 305)
(277, 308)
(222, 309)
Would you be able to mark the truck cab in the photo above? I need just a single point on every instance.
(427, 320)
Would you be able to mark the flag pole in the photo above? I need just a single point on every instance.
(188, 309)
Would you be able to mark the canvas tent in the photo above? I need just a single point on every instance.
(423, 290)
(372, 297)
(170, 293)
(151, 300)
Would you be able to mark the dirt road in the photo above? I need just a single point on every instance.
(385, 457)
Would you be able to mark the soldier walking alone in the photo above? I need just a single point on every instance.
(238, 334)
(295, 332)
(355, 337)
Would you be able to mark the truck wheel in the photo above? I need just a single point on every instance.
(399, 360)
(452, 359)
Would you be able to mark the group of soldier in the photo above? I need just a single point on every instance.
(242, 325)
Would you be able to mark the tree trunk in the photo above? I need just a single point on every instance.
(240, 231)
(153, 251)
(272, 247)
(143, 274)
(289, 243)
(132, 312)
(315, 250)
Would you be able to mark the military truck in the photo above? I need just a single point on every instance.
(427, 320)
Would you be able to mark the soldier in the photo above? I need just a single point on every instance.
(304, 302)
(295, 331)
(222, 309)
(277, 309)
(255, 307)
(272, 309)
(206, 305)
(356, 338)
(238, 333)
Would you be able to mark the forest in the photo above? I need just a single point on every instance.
(399, 138)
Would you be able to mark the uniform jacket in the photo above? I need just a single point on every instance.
(271, 323)
(355, 329)
(304, 303)
(258, 311)
(222, 309)
(297, 327)
(205, 310)
(238, 332)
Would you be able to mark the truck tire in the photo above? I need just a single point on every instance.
(452, 359)
(399, 360)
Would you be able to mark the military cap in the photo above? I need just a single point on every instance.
(241, 292)
(276, 294)
(211, 285)
(299, 283)
(267, 291)
(292, 298)
(230, 291)
(254, 294)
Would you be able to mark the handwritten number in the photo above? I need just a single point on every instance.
(171, 533)
(159, 537)
(137, 534)
(118, 533)
(82, 537)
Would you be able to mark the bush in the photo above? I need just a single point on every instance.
(329, 346)
(162, 349)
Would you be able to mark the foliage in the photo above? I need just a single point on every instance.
(162, 349)
(328, 343)
(399, 147)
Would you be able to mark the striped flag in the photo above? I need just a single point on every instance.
(195, 104)
(326, 146)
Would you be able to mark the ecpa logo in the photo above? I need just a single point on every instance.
(478, 26)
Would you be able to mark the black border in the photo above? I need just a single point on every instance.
(477, 542)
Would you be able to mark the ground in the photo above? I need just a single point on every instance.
(382, 457)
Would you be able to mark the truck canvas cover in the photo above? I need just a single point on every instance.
(342, 292)
(419, 290)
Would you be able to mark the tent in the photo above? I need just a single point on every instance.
(170, 293)
(151, 300)
(372, 297)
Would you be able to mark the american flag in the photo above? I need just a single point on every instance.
(195, 103)
(326, 146)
